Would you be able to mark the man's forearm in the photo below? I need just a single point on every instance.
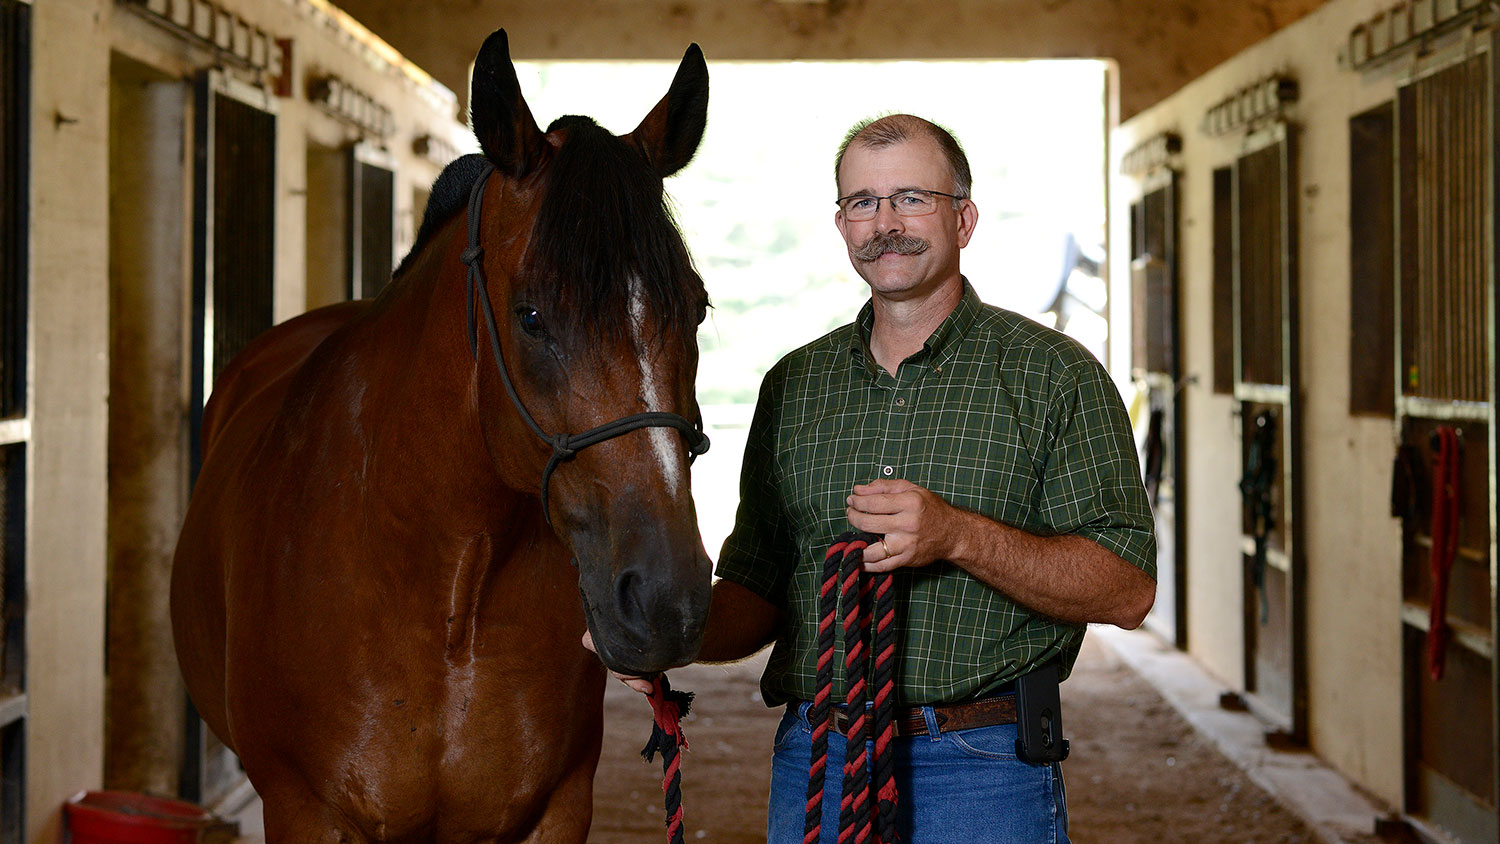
(1068, 578)
(740, 623)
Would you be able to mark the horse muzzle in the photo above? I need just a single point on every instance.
(644, 621)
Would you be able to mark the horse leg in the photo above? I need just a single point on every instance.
(300, 818)
(569, 810)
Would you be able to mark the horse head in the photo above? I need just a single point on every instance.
(593, 312)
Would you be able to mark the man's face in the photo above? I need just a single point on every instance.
(903, 257)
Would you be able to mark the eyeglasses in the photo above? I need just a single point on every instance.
(907, 203)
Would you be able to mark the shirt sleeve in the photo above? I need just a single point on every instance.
(1092, 486)
(759, 554)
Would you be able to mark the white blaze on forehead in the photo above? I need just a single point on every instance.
(665, 442)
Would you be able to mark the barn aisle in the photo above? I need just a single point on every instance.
(1140, 772)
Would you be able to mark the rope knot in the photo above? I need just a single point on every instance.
(560, 447)
(698, 443)
(668, 707)
(472, 254)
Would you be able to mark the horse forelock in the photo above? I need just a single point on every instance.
(604, 233)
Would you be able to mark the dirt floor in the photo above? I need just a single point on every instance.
(1138, 772)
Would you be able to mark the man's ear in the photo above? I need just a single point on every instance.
(968, 220)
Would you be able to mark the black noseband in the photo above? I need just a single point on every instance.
(564, 446)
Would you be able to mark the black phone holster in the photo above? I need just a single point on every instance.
(1039, 730)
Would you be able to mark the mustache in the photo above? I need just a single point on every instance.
(881, 243)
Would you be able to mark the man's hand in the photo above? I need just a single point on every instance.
(919, 526)
(1069, 578)
(640, 684)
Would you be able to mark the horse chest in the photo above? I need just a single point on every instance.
(470, 763)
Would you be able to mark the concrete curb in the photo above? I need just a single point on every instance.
(1302, 782)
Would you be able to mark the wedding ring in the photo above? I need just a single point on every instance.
(884, 547)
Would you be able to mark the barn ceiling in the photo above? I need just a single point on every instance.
(1159, 44)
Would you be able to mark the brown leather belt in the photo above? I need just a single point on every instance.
(909, 721)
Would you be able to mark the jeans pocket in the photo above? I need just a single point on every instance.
(1060, 797)
(997, 742)
(792, 723)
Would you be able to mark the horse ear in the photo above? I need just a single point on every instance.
(502, 122)
(671, 132)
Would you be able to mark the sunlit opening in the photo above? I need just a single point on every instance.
(756, 204)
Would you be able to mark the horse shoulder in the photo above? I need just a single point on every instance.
(258, 376)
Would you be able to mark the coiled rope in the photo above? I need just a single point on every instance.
(846, 584)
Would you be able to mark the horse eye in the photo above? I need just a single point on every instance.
(531, 321)
(702, 312)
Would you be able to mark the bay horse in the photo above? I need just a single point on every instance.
(372, 596)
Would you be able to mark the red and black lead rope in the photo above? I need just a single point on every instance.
(867, 600)
(668, 708)
(862, 596)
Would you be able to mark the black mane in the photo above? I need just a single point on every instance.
(603, 219)
(450, 195)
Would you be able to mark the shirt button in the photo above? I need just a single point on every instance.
(887, 471)
(901, 402)
(938, 369)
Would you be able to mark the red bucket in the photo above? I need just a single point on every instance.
(124, 817)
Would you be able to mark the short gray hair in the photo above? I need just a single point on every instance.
(890, 129)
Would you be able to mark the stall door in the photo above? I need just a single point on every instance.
(15, 419)
(1445, 419)
(1266, 388)
(233, 274)
(1153, 282)
(372, 221)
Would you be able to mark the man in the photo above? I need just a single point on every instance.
(995, 459)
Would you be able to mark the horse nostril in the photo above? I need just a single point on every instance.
(628, 598)
(660, 617)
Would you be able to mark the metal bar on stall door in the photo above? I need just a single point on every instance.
(1419, 338)
(1425, 278)
(1464, 189)
(1432, 281)
(1461, 224)
(1457, 155)
(1268, 279)
(1464, 139)
(1456, 337)
(1486, 149)
(1475, 214)
(1281, 214)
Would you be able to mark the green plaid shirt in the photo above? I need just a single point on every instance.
(997, 415)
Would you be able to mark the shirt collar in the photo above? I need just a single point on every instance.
(945, 337)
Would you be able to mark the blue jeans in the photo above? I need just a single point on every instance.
(962, 787)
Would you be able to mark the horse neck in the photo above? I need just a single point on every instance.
(423, 415)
